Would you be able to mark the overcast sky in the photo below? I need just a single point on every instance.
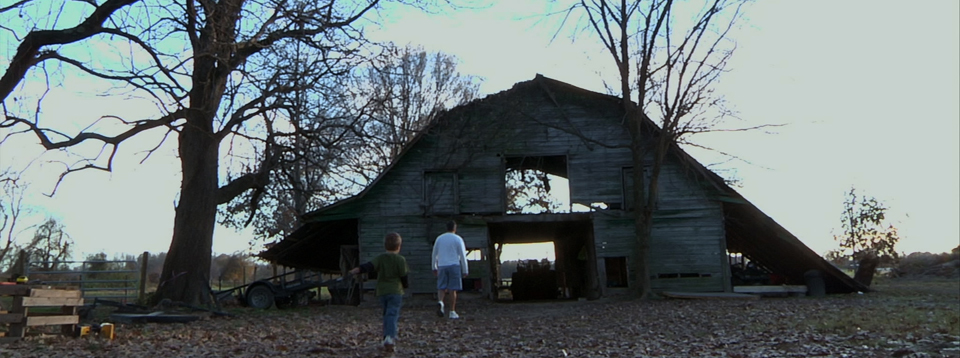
(869, 91)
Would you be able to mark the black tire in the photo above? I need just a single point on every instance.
(260, 297)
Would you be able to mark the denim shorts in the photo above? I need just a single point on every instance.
(448, 278)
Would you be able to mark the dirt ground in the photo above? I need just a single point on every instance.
(903, 318)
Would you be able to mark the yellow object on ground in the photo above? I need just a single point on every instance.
(106, 330)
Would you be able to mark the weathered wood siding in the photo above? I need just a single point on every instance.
(470, 143)
(688, 235)
(687, 238)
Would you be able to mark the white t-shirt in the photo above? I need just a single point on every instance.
(449, 250)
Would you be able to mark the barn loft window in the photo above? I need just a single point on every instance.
(627, 180)
(440, 192)
(537, 184)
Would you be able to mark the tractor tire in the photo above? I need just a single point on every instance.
(259, 297)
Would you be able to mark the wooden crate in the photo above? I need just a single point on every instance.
(26, 297)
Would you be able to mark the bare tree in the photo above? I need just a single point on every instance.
(528, 191)
(670, 53)
(50, 246)
(204, 65)
(406, 88)
(369, 115)
(233, 267)
(11, 209)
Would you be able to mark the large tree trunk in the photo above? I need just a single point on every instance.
(643, 222)
(642, 212)
(186, 270)
(866, 269)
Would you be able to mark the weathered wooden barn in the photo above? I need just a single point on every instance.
(458, 169)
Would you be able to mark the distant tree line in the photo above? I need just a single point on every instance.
(929, 264)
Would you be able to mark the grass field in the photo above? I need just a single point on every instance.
(902, 318)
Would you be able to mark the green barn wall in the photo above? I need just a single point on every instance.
(471, 142)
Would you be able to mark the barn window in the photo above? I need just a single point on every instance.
(626, 178)
(440, 192)
(537, 184)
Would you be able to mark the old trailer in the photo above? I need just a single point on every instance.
(293, 289)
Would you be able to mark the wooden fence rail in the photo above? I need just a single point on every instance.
(26, 297)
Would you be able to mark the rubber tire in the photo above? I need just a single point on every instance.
(259, 297)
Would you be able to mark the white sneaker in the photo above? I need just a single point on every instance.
(388, 344)
(440, 312)
(454, 315)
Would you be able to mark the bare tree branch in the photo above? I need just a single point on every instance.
(49, 143)
(13, 6)
(29, 49)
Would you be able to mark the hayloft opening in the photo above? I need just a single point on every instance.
(537, 184)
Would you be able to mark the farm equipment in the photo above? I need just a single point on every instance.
(534, 280)
(292, 289)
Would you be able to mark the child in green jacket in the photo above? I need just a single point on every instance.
(391, 269)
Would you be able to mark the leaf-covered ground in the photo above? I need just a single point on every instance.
(902, 319)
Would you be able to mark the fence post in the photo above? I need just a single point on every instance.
(83, 269)
(143, 277)
(20, 267)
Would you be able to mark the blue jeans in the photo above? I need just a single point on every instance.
(391, 313)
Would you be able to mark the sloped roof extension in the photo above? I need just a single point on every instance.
(749, 230)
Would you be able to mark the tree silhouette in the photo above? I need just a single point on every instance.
(867, 238)
(218, 75)
(670, 54)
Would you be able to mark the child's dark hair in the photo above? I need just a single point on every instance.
(451, 226)
(392, 241)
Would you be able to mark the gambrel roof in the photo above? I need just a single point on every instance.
(748, 229)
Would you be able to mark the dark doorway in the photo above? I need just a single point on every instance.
(616, 269)
(573, 273)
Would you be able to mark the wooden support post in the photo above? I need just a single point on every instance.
(17, 329)
(68, 329)
(20, 267)
(141, 296)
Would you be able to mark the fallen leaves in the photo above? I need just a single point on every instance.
(882, 324)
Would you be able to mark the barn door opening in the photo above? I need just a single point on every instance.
(530, 273)
(532, 265)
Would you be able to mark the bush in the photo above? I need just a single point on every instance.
(928, 264)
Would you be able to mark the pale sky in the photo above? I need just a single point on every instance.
(870, 91)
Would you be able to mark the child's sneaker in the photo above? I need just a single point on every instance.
(454, 315)
(388, 344)
(440, 312)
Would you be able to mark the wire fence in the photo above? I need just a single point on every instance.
(115, 280)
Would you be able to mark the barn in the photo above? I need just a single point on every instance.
(556, 138)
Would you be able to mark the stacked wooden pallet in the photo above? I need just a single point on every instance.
(26, 297)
